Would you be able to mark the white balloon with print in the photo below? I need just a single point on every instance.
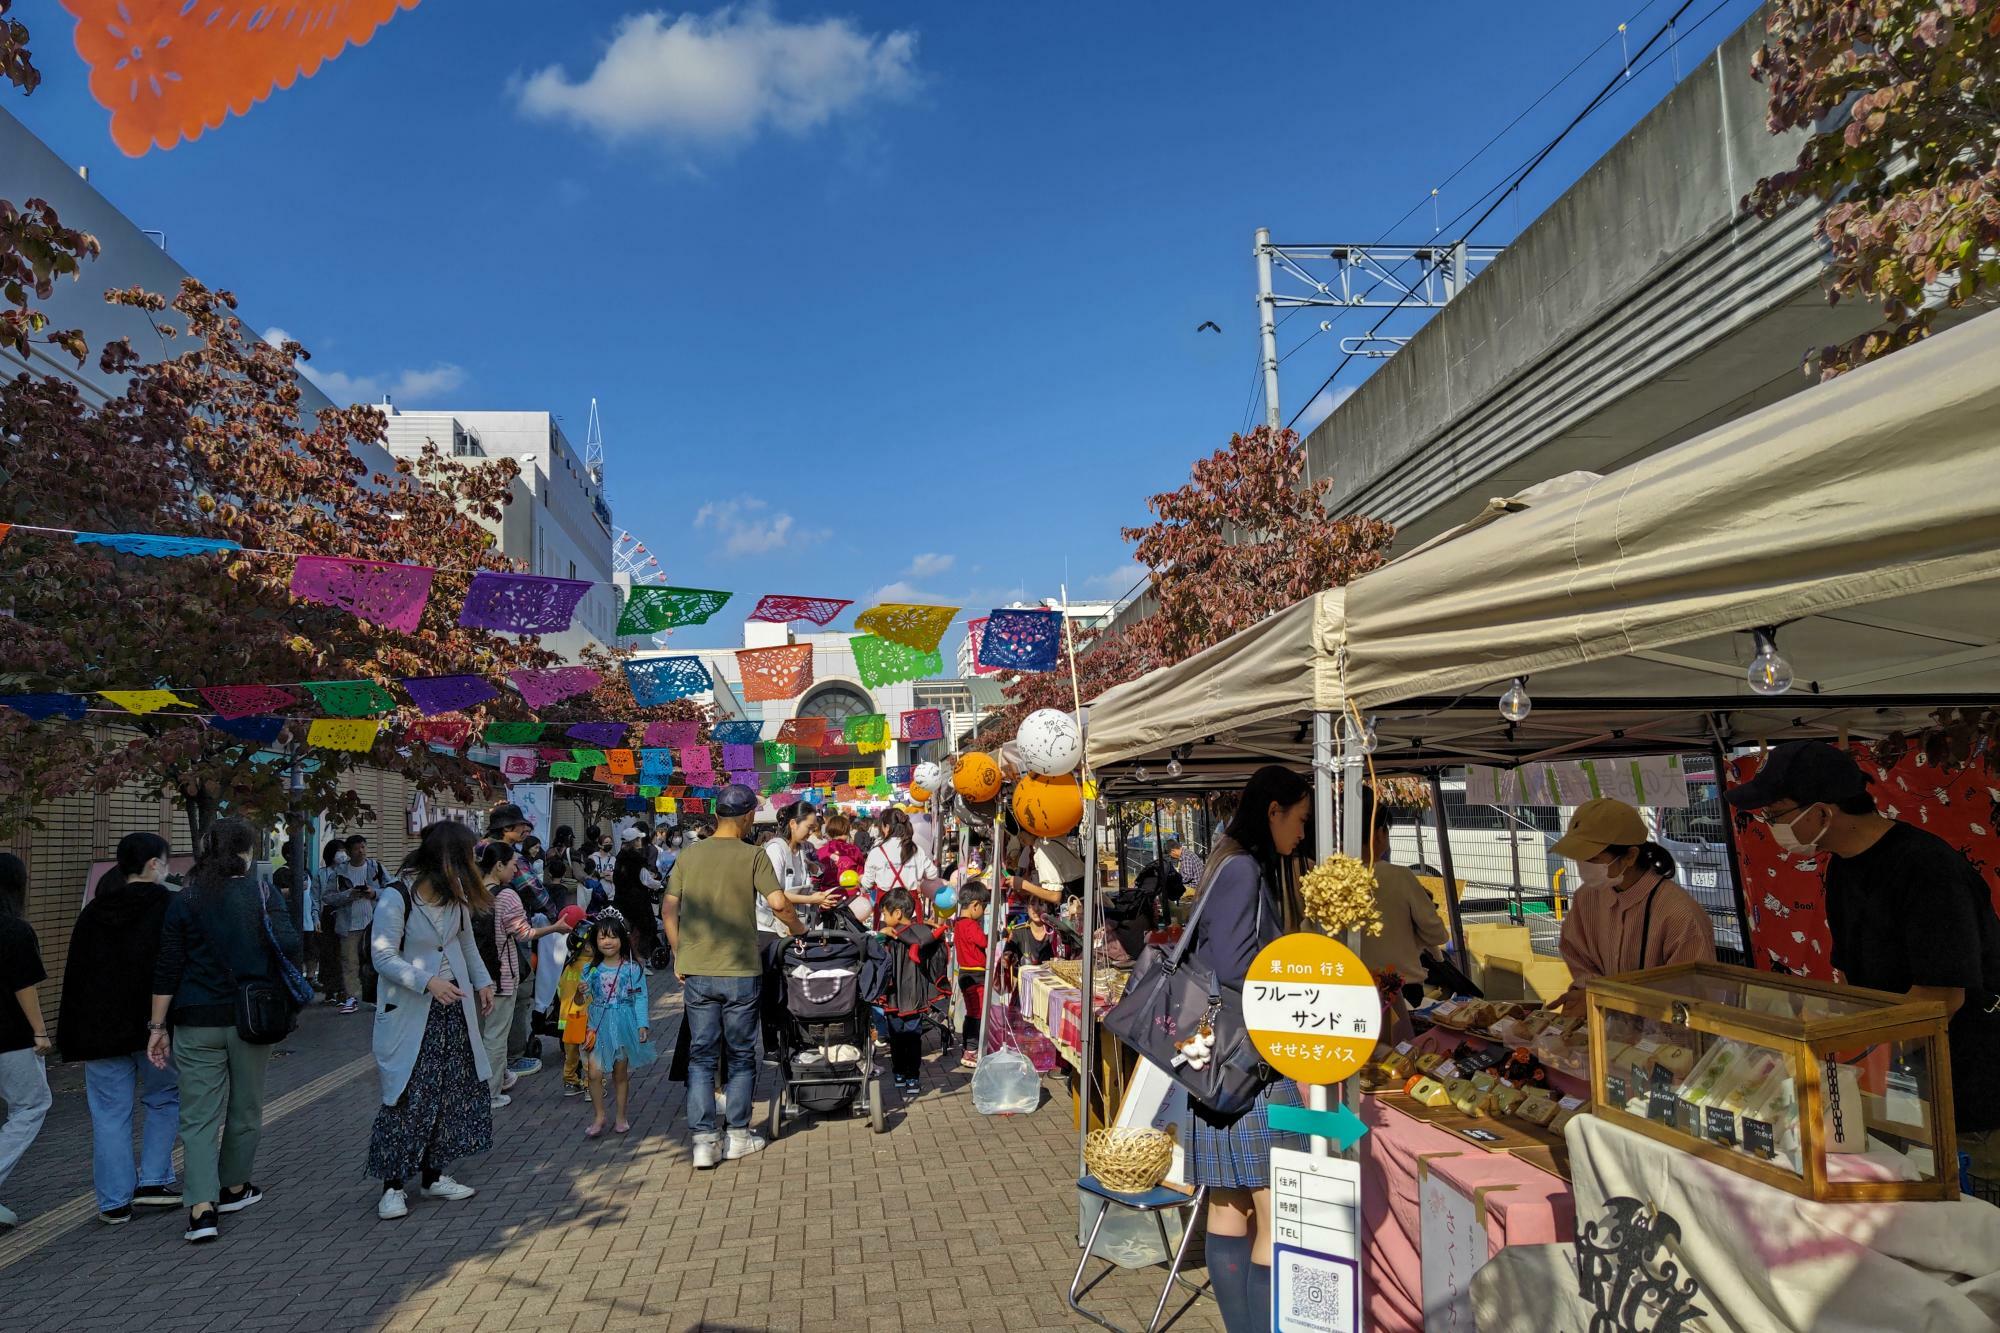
(1050, 742)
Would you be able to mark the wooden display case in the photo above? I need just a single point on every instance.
(1831, 1092)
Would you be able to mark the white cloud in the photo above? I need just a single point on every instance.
(407, 387)
(720, 80)
(1118, 582)
(902, 590)
(748, 526)
(1321, 407)
(930, 565)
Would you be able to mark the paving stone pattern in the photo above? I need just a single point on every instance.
(951, 1220)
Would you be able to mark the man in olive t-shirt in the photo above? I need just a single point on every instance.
(711, 919)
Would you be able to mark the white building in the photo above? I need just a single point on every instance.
(558, 523)
(1082, 616)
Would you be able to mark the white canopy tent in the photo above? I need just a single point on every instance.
(1861, 518)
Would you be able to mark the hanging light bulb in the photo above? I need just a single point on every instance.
(1369, 740)
(1769, 673)
(1515, 705)
(1174, 768)
(1140, 773)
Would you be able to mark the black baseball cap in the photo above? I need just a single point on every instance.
(1808, 772)
(735, 801)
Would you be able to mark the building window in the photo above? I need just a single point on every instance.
(836, 703)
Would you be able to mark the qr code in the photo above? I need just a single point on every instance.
(1317, 1298)
(1316, 1295)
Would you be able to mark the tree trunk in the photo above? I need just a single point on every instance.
(200, 815)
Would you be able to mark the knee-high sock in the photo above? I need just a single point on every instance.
(1258, 1296)
(1229, 1276)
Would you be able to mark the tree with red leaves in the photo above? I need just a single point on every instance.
(1241, 541)
(1900, 100)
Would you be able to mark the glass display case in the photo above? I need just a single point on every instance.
(1831, 1092)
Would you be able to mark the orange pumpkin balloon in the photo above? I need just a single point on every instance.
(919, 795)
(976, 776)
(1048, 807)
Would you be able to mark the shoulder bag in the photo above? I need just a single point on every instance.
(266, 1009)
(1171, 998)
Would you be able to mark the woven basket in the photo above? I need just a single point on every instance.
(1130, 1161)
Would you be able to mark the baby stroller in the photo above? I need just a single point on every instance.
(825, 1040)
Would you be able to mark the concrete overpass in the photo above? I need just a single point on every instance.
(1641, 309)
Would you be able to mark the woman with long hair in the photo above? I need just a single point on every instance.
(897, 862)
(1243, 907)
(214, 937)
(434, 990)
(107, 991)
(634, 890)
(24, 1040)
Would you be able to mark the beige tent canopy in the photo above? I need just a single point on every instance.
(1860, 517)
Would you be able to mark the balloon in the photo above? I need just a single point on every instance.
(850, 879)
(571, 916)
(1051, 743)
(918, 793)
(979, 814)
(947, 898)
(1048, 807)
(977, 777)
(926, 775)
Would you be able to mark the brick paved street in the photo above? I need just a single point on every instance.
(951, 1220)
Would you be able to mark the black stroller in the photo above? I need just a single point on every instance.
(826, 1037)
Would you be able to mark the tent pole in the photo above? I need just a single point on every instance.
(1735, 862)
(1444, 862)
(1087, 1024)
(1325, 844)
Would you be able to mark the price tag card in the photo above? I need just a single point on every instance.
(1571, 1104)
(1721, 1122)
(1614, 1090)
(1760, 1138)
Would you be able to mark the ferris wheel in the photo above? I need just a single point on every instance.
(630, 556)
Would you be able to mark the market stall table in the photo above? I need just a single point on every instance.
(1530, 1207)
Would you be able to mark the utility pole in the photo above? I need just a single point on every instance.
(1267, 322)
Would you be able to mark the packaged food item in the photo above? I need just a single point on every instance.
(1467, 1099)
(1504, 1101)
(1537, 1108)
(1563, 1116)
(1485, 1080)
(1426, 1061)
(1426, 1091)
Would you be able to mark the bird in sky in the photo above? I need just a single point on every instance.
(1207, 324)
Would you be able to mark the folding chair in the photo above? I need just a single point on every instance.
(1155, 1201)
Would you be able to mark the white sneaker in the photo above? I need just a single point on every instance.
(707, 1152)
(742, 1143)
(508, 1080)
(393, 1204)
(444, 1187)
(501, 1100)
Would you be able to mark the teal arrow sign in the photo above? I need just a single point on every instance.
(1340, 1124)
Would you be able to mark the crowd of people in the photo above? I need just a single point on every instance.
(469, 954)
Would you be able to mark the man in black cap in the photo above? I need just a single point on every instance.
(508, 823)
(1908, 913)
(711, 920)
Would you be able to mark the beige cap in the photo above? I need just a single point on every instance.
(1604, 822)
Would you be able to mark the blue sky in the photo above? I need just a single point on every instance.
(890, 299)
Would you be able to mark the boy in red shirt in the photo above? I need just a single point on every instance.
(969, 946)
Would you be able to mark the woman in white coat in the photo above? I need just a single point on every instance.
(434, 988)
(896, 862)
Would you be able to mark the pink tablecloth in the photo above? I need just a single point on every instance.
(1538, 1210)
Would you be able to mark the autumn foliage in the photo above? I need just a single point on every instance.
(1900, 100)
(1242, 540)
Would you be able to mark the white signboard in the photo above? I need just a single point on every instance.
(1316, 1251)
(1651, 780)
(538, 802)
(1454, 1246)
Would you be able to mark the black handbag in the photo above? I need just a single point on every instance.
(265, 1011)
(1171, 998)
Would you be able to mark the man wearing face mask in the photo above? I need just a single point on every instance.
(1627, 913)
(1907, 912)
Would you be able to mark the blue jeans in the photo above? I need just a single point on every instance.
(109, 1085)
(720, 1010)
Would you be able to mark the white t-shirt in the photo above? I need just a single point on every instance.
(1055, 865)
(794, 875)
(885, 868)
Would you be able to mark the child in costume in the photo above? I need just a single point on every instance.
(917, 966)
(573, 1009)
(617, 1039)
(969, 947)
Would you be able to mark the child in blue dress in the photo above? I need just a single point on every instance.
(616, 1041)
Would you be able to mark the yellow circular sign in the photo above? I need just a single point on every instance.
(1311, 1008)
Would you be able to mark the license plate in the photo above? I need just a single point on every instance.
(1703, 879)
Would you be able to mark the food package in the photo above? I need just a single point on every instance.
(1465, 1096)
(1426, 1061)
(1537, 1108)
(1426, 1091)
(1677, 1058)
(1503, 1100)
(1485, 1080)
(1564, 1114)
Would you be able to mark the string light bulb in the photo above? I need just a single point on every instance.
(1369, 740)
(1174, 768)
(1515, 705)
(1140, 774)
(1769, 672)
